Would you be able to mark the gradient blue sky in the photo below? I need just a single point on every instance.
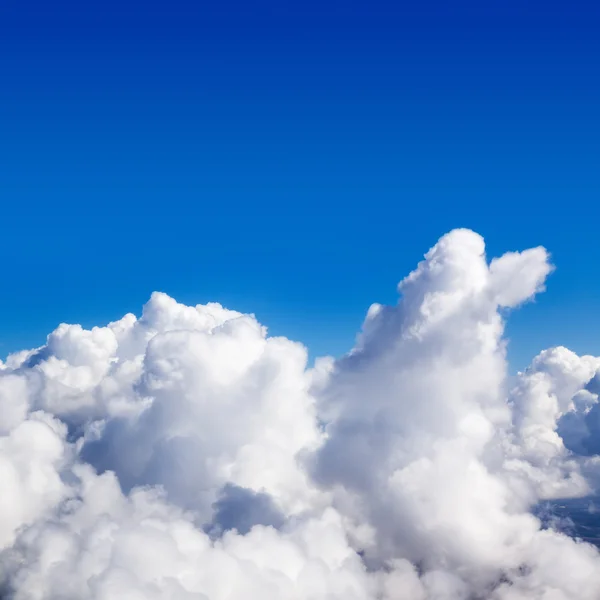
(292, 159)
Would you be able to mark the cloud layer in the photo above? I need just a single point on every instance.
(187, 455)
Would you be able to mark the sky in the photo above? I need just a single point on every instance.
(293, 160)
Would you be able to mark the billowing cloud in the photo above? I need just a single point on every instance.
(188, 455)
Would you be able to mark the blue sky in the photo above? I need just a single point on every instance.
(292, 159)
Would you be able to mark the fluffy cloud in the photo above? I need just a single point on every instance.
(187, 455)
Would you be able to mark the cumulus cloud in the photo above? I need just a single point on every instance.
(188, 455)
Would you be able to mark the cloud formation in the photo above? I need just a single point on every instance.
(187, 455)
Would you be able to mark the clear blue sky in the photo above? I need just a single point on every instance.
(292, 159)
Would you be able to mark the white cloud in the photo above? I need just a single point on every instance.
(187, 455)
